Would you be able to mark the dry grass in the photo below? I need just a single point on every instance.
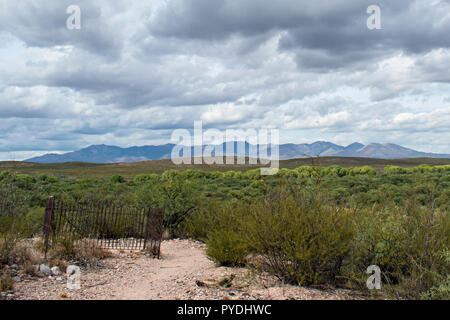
(61, 264)
(68, 249)
(6, 282)
(25, 253)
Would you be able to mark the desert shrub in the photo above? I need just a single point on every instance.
(441, 290)
(226, 244)
(25, 253)
(444, 168)
(44, 179)
(227, 247)
(177, 196)
(192, 174)
(24, 181)
(6, 281)
(336, 171)
(63, 246)
(203, 220)
(13, 226)
(8, 242)
(283, 172)
(146, 178)
(303, 239)
(340, 194)
(304, 171)
(427, 250)
(365, 170)
(13, 229)
(443, 201)
(170, 174)
(229, 175)
(252, 174)
(379, 239)
(5, 176)
(423, 168)
(117, 179)
(213, 175)
(31, 221)
(220, 225)
(66, 247)
(407, 244)
(389, 169)
(147, 195)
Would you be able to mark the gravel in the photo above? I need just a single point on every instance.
(183, 272)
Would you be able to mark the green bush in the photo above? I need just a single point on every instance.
(146, 178)
(117, 179)
(423, 168)
(389, 169)
(44, 179)
(252, 174)
(204, 220)
(407, 244)
(224, 237)
(177, 196)
(303, 240)
(336, 171)
(24, 181)
(227, 248)
(365, 170)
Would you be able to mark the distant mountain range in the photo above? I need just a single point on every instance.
(112, 154)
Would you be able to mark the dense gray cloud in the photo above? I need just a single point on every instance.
(137, 70)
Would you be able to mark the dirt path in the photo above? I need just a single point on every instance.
(183, 272)
(182, 262)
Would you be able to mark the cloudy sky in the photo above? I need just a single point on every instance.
(137, 70)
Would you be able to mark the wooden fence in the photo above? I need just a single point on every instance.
(103, 225)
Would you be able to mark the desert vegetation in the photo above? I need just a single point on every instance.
(308, 225)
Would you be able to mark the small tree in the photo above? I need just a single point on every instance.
(178, 199)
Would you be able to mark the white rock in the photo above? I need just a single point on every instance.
(45, 269)
(56, 271)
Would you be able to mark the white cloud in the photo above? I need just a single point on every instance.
(134, 72)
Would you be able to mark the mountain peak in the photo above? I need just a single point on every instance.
(354, 146)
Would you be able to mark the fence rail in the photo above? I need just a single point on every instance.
(104, 225)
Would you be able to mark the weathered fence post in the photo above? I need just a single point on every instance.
(49, 220)
(154, 229)
(147, 227)
(159, 228)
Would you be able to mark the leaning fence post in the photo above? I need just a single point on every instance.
(48, 222)
(147, 227)
(154, 229)
(160, 228)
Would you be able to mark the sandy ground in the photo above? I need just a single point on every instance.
(183, 272)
